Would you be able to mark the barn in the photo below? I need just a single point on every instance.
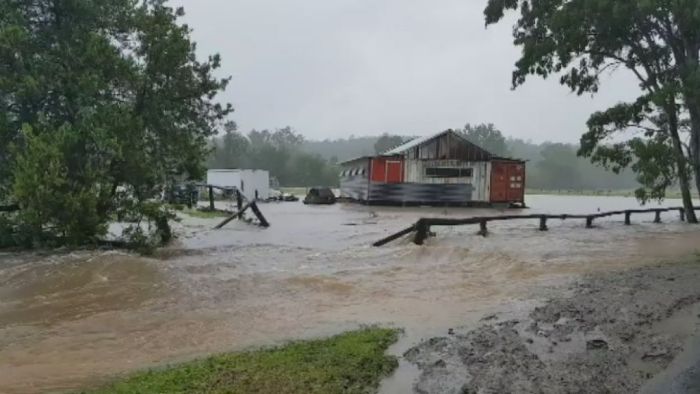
(441, 169)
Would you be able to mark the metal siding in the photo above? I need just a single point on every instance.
(415, 173)
(508, 181)
(394, 171)
(355, 187)
(420, 193)
(378, 170)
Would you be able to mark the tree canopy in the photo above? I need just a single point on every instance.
(387, 142)
(278, 152)
(658, 41)
(488, 137)
(101, 103)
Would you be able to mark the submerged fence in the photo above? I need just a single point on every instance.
(422, 226)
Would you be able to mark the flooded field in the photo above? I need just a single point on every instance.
(73, 319)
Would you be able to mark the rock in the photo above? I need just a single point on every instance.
(655, 354)
(594, 344)
(490, 317)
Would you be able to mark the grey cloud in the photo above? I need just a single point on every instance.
(331, 68)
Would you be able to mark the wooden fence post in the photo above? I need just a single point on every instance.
(421, 232)
(589, 222)
(628, 220)
(239, 200)
(682, 214)
(483, 230)
(211, 198)
(657, 218)
(543, 223)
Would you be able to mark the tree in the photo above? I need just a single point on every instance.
(112, 94)
(488, 137)
(277, 151)
(387, 142)
(559, 168)
(654, 153)
(582, 39)
(231, 150)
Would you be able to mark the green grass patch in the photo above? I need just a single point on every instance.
(605, 193)
(353, 362)
(297, 191)
(205, 214)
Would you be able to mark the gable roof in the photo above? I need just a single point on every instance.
(422, 140)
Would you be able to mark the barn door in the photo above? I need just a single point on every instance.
(499, 182)
(394, 171)
(516, 182)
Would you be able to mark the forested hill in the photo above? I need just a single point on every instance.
(341, 149)
(295, 161)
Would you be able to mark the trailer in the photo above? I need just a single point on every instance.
(253, 184)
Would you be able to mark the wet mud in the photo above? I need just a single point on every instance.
(612, 334)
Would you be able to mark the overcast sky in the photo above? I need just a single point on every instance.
(333, 68)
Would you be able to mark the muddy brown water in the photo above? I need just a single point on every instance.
(75, 319)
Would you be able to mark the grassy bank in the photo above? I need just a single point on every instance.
(605, 193)
(352, 362)
(297, 191)
(205, 214)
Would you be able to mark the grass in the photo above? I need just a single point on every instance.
(353, 362)
(606, 193)
(297, 191)
(205, 214)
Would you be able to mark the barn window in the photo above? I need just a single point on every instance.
(446, 172)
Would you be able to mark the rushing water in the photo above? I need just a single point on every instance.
(73, 319)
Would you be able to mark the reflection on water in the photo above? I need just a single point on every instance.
(67, 320)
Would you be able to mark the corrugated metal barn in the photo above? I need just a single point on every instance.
(442, 169)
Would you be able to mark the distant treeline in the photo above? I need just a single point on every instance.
(294, 161)
(278, 151)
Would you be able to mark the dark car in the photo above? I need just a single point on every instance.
(320, 196)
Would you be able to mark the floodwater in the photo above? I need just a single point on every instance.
(75, 319)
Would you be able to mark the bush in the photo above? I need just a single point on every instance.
(59, 201)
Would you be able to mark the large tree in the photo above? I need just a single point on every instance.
(656, 40)
(387, 142)
(488, 137)
(101, 102)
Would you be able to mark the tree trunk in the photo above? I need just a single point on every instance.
(694, 110)
(689, 63)
(683, 176)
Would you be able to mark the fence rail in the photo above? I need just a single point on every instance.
(423, 225)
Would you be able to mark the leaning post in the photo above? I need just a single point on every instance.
(543, 223)
(421, 232)
(628, 220)
(657, 218)
(589, 221)
(239, 200)
(483, 230)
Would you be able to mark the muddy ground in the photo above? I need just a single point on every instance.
(608, 333)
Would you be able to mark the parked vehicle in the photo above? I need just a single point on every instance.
(320, 196)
